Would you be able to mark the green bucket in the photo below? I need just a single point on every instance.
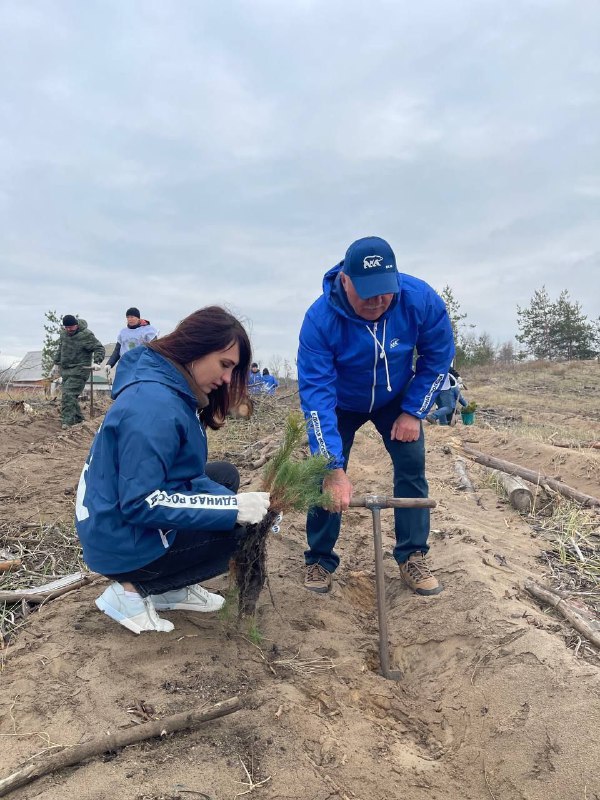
(468, 418)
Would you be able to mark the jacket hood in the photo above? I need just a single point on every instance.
(82, 327)
(144, 365)
(336, 296)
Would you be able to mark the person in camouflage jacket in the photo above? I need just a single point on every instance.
(76, 348)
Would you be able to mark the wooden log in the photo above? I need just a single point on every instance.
(519, 496)
(530, 475)
(566, 610)
(464, 482)
(106, 744)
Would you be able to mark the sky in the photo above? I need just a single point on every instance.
(168, 155)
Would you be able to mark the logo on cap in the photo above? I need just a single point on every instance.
(372, 262)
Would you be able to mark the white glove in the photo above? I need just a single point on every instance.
(97, 367)
(252, 506)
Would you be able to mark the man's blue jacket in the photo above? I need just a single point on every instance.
(348, 363)
(270, 383)
(255, 383)
(144, 477)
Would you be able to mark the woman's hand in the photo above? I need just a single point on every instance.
(252, 506)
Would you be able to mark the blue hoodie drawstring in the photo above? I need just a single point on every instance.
(382, 353)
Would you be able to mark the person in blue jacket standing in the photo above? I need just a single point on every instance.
(151, 513)
(355, 363)
(255, 380)
(270, 382)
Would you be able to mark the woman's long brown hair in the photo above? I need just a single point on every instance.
(206, 331)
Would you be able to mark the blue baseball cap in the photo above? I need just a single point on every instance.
(371, 265)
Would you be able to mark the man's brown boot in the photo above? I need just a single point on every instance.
(417, 576)
(317, 579)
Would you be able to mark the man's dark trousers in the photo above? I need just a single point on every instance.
(408, 459)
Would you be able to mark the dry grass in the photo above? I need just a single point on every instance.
(571, 536)
(572, 557)
(539, 400)
(46, 552)
(572, 554)
(11, 409)
(240, 436)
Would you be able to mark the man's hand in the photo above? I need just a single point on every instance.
(339, 486)
(97, 367)
(406, 428)
(108, 370)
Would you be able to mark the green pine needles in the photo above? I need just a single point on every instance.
(295, 485)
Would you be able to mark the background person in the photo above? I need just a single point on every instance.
(137, 331)
(77, 346)
(151, 513)
(447, 401)
(355, 363)
(270, 382)
(255, 380)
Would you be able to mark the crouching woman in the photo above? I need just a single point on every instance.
(152, 515)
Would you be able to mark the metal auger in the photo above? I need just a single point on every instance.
(375, 503)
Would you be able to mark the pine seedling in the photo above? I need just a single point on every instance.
(295, 485)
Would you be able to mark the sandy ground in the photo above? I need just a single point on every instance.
(491, 704)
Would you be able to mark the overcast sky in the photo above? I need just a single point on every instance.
(172, 154)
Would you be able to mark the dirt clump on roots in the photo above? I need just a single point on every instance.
(495, 701)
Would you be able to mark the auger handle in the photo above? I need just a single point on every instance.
(385, 501)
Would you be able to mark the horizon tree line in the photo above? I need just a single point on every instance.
(549, 330)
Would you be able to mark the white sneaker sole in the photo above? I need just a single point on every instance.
(126, 622)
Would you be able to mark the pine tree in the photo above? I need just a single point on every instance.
(53, 327)
(557, 330)
(536, 325)
(574, 336)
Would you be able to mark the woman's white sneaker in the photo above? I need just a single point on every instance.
(190, 598)
(137, 614)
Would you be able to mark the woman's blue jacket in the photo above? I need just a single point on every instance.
(145, 474)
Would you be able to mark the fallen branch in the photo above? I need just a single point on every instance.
(565, 609)
(577, 445)
(530, 475)
(48, 591)
(105, 744)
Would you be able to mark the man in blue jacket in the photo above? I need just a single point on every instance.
(255, 380)
(355, 364)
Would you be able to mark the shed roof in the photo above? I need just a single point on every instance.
(29, 369)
